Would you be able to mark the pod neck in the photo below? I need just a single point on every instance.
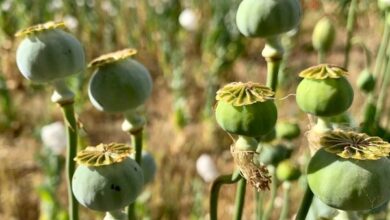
(134, 121)
(245, 143)
(62, 94)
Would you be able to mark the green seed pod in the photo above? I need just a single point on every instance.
(273, 154)
(324, 91)
(148, 165)
(350, 171)
(47, 53)
(366, 81)
(323, 35)
(246, 109)
(287, 130)
(287, 171)
(107, 179)
(266, 18)
(119, 83)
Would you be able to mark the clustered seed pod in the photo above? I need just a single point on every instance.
(48, 53)
(107, 179)
(323, 35)
(287, 171)
(119, 83)
(273, 154)
(351, 171)
(324, 91)
(267, 18)
(148, 165)
(246, 109)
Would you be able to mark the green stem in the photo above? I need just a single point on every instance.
(286, 200)
(382, 50)
(240, 199)
(305, 205)
(115, 215)
(259, 204)
(71, 151)
(273, 54)
(215, 187)
(137, 141)
(350, 29)
(383, 93)
(274, 188)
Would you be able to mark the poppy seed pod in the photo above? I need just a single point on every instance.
(366, 81)
(266, 18)
(323, 35)
(246, 109)
(351, 171)
(324, 91)
(48, 53)
(119, 83)
(107, 179)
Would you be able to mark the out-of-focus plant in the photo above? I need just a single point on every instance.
(121, 84)
(51, 162)
(107, 179)
(323, 37)
(205, 166)
(48, 54)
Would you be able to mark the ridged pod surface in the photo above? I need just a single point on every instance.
(119, 83)
(350, 171)
(324, 91)
(107, 179)
(266, 18)
(48, 53)
(246, 109)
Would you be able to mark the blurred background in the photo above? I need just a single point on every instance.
(191, 48)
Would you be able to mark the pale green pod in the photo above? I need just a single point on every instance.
(246, 109)
(48, 53)
(107, 179)
(267, 18)
(119, 83)
(323, 35)
(324, 91)
(350, 171)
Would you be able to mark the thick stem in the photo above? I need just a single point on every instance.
(305, 204)
(259, 205)
(71, 151)
(321, 56)
(274, 188)
(350, 29)
(286, 200)
(273, 54)
(240, 199)
(382, 50)
(215, 187)
(137, 142)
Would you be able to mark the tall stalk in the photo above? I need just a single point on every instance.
(286, 200)
(350, 28)
(240, 199)
(305, 205)
(381, 57)
(65, 99)
(274, 187)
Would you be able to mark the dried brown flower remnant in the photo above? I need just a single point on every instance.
(257, 175)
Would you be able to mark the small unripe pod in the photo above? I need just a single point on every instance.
(324, 91)
(274, 154)
(287, 171)
(246, 109)
(323, 35)
(47, 53)
(107, 179)
(266, 18)
(366, 81)
(119, 83)
(287, 130)
(148, 165)
(350, 171)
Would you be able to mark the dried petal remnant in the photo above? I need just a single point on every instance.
(240, 94)
(355, 145)
(103, 154)
(256, 175)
